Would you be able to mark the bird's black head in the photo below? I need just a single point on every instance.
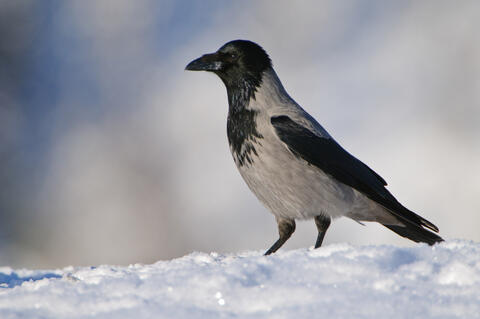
(235, 62)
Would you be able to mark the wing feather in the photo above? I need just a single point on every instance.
(331, 158)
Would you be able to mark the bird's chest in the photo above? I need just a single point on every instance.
(253, 143)
(244, 137)
(287, 185)
(264, 162)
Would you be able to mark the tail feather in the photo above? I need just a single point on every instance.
(422, 221)
(413, 226)
(415, 233)
(407, 216)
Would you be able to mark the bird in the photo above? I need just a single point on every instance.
(290, 162)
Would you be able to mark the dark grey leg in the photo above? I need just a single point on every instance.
(322, 223)
(286, 227)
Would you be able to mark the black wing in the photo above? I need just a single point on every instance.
(331, 158)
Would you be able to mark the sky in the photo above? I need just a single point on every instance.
(111, 153)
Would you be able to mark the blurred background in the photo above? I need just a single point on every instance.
(111, 153)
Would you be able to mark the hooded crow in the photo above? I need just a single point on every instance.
(290, 162)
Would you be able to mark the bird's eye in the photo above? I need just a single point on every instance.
(233, 56)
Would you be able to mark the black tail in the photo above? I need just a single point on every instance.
(415, 233)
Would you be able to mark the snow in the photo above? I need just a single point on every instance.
(335, 281)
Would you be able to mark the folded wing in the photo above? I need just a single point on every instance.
(330, 157)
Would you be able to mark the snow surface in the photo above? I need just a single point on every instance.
(335, 281)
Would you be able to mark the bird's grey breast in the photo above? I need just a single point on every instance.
(285, 184)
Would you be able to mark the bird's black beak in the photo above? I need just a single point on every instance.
(208, 62)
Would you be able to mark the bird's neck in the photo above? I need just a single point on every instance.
(247, 99)
(240, 93)
(243, 89)
(258, 95)
(241, 123)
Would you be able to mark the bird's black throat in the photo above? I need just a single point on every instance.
(241, 123)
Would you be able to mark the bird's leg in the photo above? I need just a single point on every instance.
(286, 227)
(322, 223)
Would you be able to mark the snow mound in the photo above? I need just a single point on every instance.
(335, 281)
